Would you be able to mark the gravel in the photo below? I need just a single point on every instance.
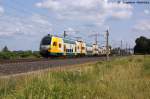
(24, 67)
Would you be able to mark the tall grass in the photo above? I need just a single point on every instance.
(146, 66)
(123, 78)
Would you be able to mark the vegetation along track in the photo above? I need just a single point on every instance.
(29, 66)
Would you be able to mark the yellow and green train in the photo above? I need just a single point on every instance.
(57, 46)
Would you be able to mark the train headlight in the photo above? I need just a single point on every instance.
(45, 47)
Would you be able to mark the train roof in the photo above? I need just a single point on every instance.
(89, 45)
(47, 36)
(69, 41)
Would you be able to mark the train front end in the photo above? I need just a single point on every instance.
(45, 45)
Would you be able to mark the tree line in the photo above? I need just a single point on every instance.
(7, 54)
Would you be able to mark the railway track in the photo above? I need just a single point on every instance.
(2, 61)
(24, 66)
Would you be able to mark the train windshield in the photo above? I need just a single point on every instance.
(46, 41)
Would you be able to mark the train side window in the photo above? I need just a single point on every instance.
(83, 48)
(65, 48)
(54, 43)
(75, 49)
(59, 45)
(78, 47)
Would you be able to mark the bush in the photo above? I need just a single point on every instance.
(36, 54)
(7, 55)
(19, 54)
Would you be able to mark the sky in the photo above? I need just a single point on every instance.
(23, 23)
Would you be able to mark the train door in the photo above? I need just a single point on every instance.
(65, 49)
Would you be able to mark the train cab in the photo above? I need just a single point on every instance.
(45, 45)
(51, 46)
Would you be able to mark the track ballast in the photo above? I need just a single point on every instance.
(35, 65)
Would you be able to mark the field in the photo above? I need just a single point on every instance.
(121, 78)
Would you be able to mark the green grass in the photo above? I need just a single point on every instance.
(122, 78)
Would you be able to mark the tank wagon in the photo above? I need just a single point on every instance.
(53, 46)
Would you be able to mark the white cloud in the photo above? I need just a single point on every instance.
(30, 26)
(1, 10)
(95, 11)
(122, 14)
(70, 29)
(146, 11)
(142, 26)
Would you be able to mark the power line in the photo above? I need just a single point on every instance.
(96, 35)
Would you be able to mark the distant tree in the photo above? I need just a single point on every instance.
(142, 45)
(5, 49)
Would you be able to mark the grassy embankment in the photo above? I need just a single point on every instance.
(124, 78)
